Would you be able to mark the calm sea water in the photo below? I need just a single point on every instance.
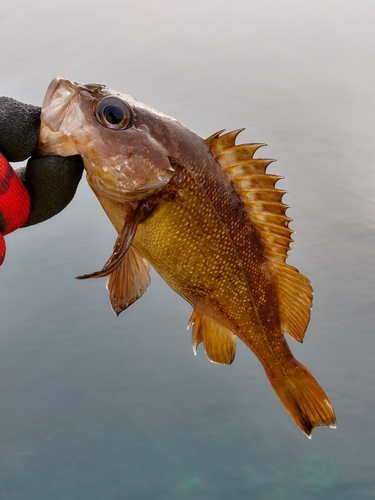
(98, 407)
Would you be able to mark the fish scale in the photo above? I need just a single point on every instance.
(205, 278)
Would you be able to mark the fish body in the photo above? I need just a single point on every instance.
(207, 216)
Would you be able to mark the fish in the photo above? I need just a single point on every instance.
(207, 216)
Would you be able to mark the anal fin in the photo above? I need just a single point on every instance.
(219, 342)
(128, 281)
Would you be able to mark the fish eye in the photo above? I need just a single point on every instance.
(112, 112)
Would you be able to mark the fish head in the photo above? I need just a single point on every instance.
(118, 138)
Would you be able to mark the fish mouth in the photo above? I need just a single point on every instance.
(59, 96)
(61, 115)
(57, 105)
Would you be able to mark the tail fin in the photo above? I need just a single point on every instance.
(304, 399)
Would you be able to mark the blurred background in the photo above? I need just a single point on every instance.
(99, 407)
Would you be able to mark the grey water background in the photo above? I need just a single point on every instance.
(98, 407)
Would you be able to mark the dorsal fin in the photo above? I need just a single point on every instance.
(218, 142)
(264, 206)
(295, 298)
(219, 342)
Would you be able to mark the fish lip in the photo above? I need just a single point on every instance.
(57, 104)
(59, 95)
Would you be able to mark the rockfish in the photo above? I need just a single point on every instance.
(209, 219)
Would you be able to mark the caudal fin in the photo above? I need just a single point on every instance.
(304, 399)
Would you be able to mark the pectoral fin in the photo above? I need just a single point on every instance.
(128, 281)
(219, 342)
(122, 244)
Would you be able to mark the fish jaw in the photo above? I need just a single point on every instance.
(123, 165)
(53, 139)
(59, 96)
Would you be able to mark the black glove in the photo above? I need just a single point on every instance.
(50, 180)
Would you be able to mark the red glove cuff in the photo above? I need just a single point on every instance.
(14, 202)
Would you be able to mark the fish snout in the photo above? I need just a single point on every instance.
(60, 115)
(58, 98)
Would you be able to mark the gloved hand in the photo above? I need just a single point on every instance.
(41, 189)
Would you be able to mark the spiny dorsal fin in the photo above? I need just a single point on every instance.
(219, 342)
(218, 142)
(263, 202)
